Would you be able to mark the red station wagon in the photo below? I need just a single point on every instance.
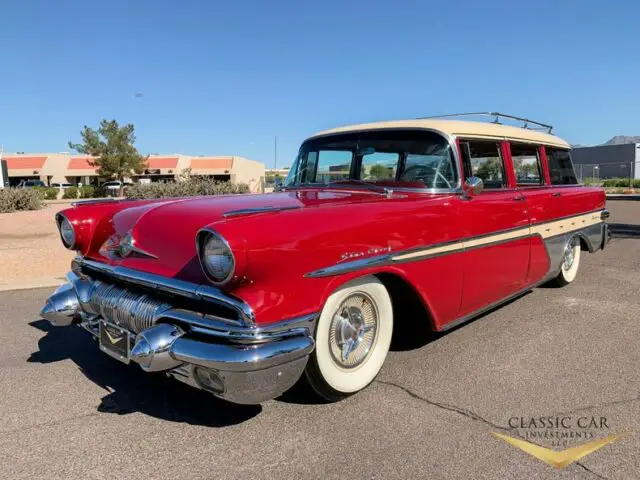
(243, 296)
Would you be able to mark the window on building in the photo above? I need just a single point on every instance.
(560, 167)
(526, 164)
(483, 160)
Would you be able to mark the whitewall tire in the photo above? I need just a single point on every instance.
(570, 262)
(353, 335)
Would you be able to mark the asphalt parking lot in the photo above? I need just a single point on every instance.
(69, 411)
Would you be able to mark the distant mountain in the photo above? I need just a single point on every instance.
(623, 140)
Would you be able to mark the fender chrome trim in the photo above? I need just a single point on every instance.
(251, 211)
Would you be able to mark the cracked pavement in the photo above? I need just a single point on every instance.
(69, 411)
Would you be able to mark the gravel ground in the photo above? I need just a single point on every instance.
(30, 248)
(69, 411)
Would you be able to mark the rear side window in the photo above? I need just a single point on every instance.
(526, 164)
(483, 160)
(560, 167)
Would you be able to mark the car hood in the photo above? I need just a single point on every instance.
(164, 231)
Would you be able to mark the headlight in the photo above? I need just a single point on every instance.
(67, 232)
(216, 257)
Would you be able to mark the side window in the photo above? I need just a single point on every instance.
(331, 165)
(379, 166)
(483, 160)
(434, 168)
(526, 164)
(309, 171)
(560, 167)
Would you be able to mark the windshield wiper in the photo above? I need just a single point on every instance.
(370, 186)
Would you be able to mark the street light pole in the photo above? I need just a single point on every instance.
(275, 154)
(2, 170)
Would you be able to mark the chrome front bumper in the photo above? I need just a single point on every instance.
(230, 357)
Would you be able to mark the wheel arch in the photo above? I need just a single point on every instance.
(585, 242)
(410, 309)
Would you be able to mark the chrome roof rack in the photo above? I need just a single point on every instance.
(496, 119)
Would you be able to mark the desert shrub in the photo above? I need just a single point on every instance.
(71, 192)
(591, 181)
(47, 193)
(87, 191)
(621, 182)
(14, 199)
(188, 188)
(51, 193)
(99, 192)
(614, 182)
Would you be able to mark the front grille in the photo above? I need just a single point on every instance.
(128, 309)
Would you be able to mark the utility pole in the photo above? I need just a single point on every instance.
(3, 170)
(275, 154)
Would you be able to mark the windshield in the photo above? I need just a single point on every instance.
(409, 158)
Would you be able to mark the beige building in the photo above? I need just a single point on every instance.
(74, 169)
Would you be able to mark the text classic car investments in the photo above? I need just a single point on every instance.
(380, 223)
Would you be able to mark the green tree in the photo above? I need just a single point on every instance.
(380, 172)
(113, 148)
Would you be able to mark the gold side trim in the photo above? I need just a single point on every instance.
(558, 227)
(545, 230)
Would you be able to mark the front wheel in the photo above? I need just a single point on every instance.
(570, 263)
(353, 335)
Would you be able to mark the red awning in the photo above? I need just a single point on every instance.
(81, 163)
(210, 163)
(162, 162)
(25, 163)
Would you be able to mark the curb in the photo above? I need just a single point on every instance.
(31, 284)
(623, 196)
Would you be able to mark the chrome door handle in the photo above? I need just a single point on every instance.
(556, 194)
(519, 198)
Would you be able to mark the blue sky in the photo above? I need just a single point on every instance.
(225, 77)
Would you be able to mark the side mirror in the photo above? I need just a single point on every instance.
(473, 186)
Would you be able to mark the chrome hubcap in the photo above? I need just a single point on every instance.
(569, 257)
(353, 330)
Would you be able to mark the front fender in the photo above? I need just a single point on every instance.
(284, 248)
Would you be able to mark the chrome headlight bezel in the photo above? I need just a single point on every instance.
(67, 231)
(204, 240)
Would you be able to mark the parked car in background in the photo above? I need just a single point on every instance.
(113, 188)
(61, 186)
(377, 225)
(31, 183)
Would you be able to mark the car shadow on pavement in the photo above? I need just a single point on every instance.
(132, 390)
(624, 230)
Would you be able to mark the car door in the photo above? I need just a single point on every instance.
(543, 202)
(495, 225)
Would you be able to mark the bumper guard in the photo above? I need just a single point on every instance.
(238, 361)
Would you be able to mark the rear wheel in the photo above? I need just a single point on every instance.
(570, 262)
(353, 335)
